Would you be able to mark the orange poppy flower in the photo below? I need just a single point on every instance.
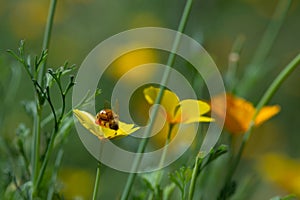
(239, 113)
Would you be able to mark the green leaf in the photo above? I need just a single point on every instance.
(151, 182)
(21, 47)
(167, 191)
(98, 92)
(288, 197)
(22, 131)
(181, 178)
(64, 130)
(150, 179)
(228, 190)
(30, 107)
(13, 85)
(39, 60)
(12, 53)
(49, 80)
(213, 155)
(28, 62)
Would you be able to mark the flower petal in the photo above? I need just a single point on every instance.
(190, 111)
(88, 121)
(184, 133)
(169, 100)
(127, 129)
(266, 113)
(159, 139)
(239, 113)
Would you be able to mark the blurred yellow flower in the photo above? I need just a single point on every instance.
(131, 60)
(177, 111)
(143, 19)
(28, 18)
(283, 171)
(89, 122)
(239, 113)
(76, 183)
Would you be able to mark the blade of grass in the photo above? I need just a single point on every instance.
(254, 70)
(170, 62)
(47, 37)
(198, 162)
(272, 31)
(233, 61)
(97, 181)
(54, 173)
(37, 121)
(35, 156)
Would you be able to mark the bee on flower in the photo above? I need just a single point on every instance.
(105, 125)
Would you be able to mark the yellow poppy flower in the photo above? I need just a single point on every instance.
(177, 111)
(239, 113)
(89, 122)
(282, 171)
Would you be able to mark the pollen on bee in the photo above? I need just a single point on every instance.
(107, 118)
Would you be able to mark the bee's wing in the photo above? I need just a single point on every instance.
(115, 107)
(88, 121)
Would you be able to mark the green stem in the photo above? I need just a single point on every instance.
(46, 159)
(35, 156)
(164, 153)
(233, 60)
(276, 84)
(162, 159)
(267, 41)
(271, 32)
(24, 156)
(97, 181)
(164, 80)
(263, 101)
(195, 174)
(47, 37)
(49, 149)
(54, 174)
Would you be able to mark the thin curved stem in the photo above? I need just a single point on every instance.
(170, 62)
(271, 32)
(97, 182)
(36, 147)
(37, 123)
(254, 70)
(263, 101)
(164, 154)
(54, 174)
(195, 173)
(47, 37)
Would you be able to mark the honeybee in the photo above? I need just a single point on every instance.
(107, 118)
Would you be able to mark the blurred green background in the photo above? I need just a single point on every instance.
(81, 24)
